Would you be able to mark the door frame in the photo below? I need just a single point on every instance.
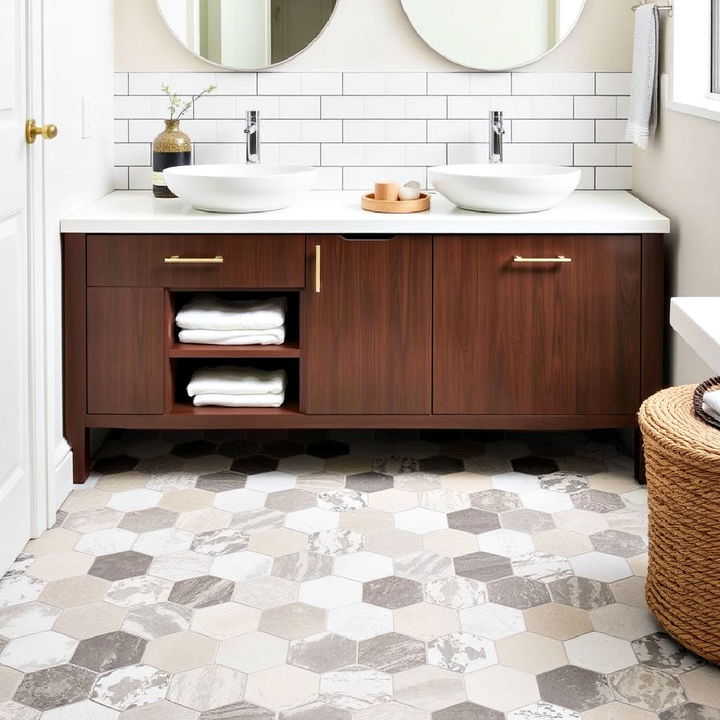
(45, 458)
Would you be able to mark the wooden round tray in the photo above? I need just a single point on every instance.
(395, 206)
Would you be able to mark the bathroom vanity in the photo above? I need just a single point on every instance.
(444, 319)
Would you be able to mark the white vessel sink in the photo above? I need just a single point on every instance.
(697, 321)
(505, 188)
(240, 188)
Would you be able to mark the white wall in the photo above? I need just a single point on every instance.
(376, 35)
(77, 62)
(680, 175)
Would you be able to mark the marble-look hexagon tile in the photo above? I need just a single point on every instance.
(252, 652)
(599, 652)
(141, 590)
(597, 501)
(564, 482)
(109, 651)
(647, 688)
(207, 687)
(330, 592)
(423, 566)
(11, 710)
(131, 686)
(546, 501)
(360, 621)
(315, 711)
(574, 688)
(418, 482)
(581, 592)
(281, 687)
(240, 500)
(461, 652)
(302, 566)
(293, 621)
(19, 620)
(506, 542)
(492, 621)
(205, 520)
(624, 621)
(456, 592)
(225, 620)
(154, 621)
(558, 621)
(600, 566)
(220, 481)
(163, 542)
(182, 651)
(688, 711)
(334, 542)
(161, 710)
(445, 501)
(131, 500)
(562, 542)
(223, 541)
(658, 650)
(180, 566)
(342, 500)
(119, 566)
(369, 482)
(291, 500)
(543, 711)
(201, 591)
(702, 685)
(266, 592)
(425, 621)
(391, 653)
(468, 711)
(429, 688)
(101, 518)
(500, 687)
(526, 520)
(494, 500)
(38, 651)
(518, 592)
(363, 566)
(617, 542)
(355, 688)
(472, 520)
(323, 652)
(619, 711)
(85, 710)
(392, 592)
(55, 686)
(391, 711)
(155, 518)
(541, 566)
(483, 566)
(241, 566)
(312, 520)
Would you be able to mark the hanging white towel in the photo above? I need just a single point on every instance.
(234, 380)
(237, 401)
(209, 312)
(642, 118)
(274, 336)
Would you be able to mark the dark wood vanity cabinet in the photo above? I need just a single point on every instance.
(408, 331)
(368, 326)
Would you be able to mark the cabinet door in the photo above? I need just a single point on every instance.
(125, 351)
(367, 337)
(537, 337)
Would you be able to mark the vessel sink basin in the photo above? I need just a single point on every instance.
(240, 188)
(505, 188)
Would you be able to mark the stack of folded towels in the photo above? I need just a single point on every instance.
(232, 386)
(711, 404)
(210, 320)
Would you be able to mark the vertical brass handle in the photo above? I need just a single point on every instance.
(317, 268)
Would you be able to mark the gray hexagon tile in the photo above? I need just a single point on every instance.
(314, 575)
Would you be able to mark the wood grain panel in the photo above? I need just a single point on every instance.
(537, 338)
(249, 261)
(125, 350)
(367, 338)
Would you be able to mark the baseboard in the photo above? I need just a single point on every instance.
(63, 478)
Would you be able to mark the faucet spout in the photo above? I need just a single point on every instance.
(252, 136)
(495, 142)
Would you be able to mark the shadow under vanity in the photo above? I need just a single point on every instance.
(385, 329)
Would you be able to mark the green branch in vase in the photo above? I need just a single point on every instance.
(178, 106)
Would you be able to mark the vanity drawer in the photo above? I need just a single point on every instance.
(196, 261)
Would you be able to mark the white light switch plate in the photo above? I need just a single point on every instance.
(88, 124)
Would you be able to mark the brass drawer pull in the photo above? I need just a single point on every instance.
(556, 259)
(317, 268)
(176, 259)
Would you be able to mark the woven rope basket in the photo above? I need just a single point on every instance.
(682, 457)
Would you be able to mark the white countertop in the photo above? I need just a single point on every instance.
(331, 211)
(697, 321)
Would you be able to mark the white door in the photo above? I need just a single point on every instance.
(15, 475)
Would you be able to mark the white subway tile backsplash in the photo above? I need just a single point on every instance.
(361, 126)
(120, 178)
(587, 178)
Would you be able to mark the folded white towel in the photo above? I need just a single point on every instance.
(222, 400)
(642, 118)
(209, 312)
(233, 380)
(712, 400)
(273, 336)
(706, 408)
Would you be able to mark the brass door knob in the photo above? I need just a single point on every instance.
(48, 132)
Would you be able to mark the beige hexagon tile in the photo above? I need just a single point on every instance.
(282, 687)
(502, 688)
(266, 592)
(562, 542)
(207, 464)
(252, 652)
(624, 621)
(466, 482)
(392, 711)
(613, 482)
(429, 688)
(580, 521)
(425, 621)
(75, 591)
(178, 566)
(293, 621)
(394, 543)
(639, 564)
(87, 621)
(225, 620)
(60, 565)
(393, 500)
(80, 500)
(186, 500)
(368, 520)
(122, 482)
(180, 651)
(450, 543)
(492, 621)
(558, 621)
(703, 685)
(530, 652)
(279, 541)
(349, 464)
(618, 711)
(162, 710)
(9, 681)
(630, 591)
(205, 520)
(53, 541)
(600, 652)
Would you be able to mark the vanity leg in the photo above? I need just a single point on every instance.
(639, 458)
(80, 444)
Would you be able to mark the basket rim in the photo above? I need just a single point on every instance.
(698, 397)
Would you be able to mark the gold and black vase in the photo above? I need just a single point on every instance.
(171, 148)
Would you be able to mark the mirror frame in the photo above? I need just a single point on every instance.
(232, 68)
(404, 4)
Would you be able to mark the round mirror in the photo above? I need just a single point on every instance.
(246, 34)
(493, 34)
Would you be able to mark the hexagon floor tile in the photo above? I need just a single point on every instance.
(395, 575)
